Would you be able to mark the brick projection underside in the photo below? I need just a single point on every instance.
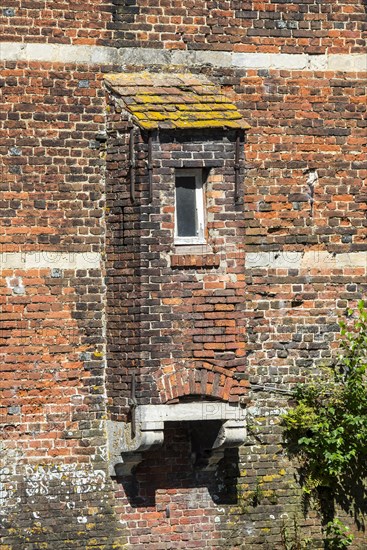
(305, 194)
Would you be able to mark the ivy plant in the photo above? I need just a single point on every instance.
(337, 535)
(327, 427)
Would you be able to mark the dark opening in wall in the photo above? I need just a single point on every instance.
(171, 470)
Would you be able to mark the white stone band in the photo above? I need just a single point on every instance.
(49, 260)
(312, 259)
(95, 55)
(288, 259)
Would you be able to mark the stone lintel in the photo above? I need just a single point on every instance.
(189, 412)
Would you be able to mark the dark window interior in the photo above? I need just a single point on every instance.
(186, 206)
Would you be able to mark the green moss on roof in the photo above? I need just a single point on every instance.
(172, 100)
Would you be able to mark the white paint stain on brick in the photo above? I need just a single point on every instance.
(7, 475)
(82, 519)
(312, 177)
(16, 285)
(38, 479)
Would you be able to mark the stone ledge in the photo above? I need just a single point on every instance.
(220, 426)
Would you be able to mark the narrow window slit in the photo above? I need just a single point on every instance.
(189, 218)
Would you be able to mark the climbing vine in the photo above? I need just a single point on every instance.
(327, 431)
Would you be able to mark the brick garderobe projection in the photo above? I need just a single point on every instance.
(183, 213)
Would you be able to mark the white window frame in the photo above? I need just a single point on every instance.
(200, 210)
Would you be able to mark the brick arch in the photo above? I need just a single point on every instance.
(204, 381)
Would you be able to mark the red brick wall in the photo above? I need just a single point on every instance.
(51, 168)
(305, 191)
(55, 21)
(230, 25)
(54, 483)
(293, 314)
(42, 372)
(305, 121)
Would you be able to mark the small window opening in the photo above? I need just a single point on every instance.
(189, 218)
